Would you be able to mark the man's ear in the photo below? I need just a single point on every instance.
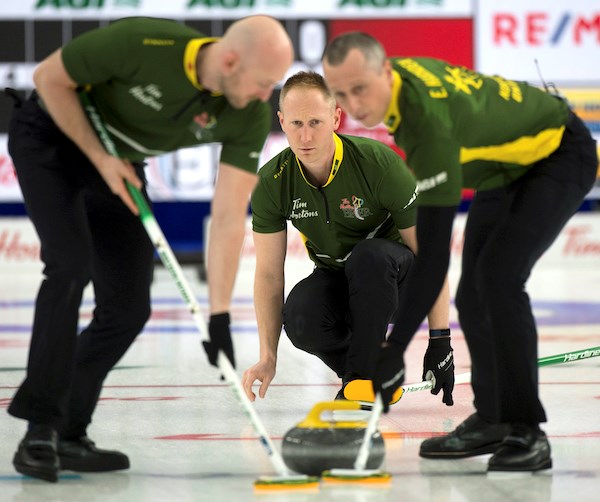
(280, 117)
(387, 68)
(337, 117)
(230, 62)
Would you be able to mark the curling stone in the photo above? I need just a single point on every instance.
(316, 445)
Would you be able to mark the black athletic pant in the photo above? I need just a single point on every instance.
(507, 231)
(342, 317)
(86, 233)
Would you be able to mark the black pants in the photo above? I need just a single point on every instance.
(342, 317)
(86, 233)
(507, 231)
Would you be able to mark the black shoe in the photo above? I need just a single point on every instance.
(472, 437)
(526, 448)
(36, 455)
(81, 455)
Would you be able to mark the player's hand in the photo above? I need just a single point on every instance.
(438, 367)
(389, 372)
(115, 173)
(220, 339)
(264, 372)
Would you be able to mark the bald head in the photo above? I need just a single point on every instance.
(262, 40)
(248, 61)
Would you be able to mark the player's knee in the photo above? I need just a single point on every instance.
(495, 283)
(71, 277)
(138, 316)
(364, 259)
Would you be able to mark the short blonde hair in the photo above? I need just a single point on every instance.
(307, 80)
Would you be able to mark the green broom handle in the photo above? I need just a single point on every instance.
(569, 356)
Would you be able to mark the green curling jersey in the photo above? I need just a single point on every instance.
(143, 80)
(460, 128)
(370, 193)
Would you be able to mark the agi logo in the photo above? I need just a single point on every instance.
(545, 28)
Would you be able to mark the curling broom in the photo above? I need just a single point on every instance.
(284, 479)
(362, 390)
(359, 474)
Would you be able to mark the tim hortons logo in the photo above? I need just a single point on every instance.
(12, 247)
(578, 242)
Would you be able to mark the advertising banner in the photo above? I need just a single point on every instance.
(233, 9)
(538, 40)
(578, 244)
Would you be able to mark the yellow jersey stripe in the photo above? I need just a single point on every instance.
(524, 151)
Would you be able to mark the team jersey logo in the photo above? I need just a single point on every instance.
(203, 125)
(353, 207)
(462, 79)
(300, 210)
(149, 95)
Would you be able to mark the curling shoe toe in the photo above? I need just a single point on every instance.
(36, 455)
(472, 437)
(82, 455)
(341, 396)
(526, 448)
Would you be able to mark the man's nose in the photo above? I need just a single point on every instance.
(353, 104)
(305, 134)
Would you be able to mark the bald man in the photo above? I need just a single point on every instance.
(158, 86)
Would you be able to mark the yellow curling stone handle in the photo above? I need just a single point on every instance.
(313, 419)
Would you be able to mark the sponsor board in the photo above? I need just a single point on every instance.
(538, 40)
(9, 186)
(578, 244)
(233, 9)
(586, 104)
(19, 246)
(185, 175)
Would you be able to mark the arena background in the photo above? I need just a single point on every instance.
(556, 43)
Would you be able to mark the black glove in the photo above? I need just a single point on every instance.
(220, 339)
(389, 372)
(438, 366)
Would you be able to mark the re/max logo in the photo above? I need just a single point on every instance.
(540, 28)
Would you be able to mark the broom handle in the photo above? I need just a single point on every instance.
(566, 357)
(172, 265)
(363, 453)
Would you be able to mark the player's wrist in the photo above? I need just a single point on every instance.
(439, 333)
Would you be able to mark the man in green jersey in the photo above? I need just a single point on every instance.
(158, 85)
(353, 201)
(531, 162)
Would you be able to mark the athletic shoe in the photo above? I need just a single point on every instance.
(36, 455)
(472, 437)
(81, 455)
(526, 448)
(362, 390)
(342, 395)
